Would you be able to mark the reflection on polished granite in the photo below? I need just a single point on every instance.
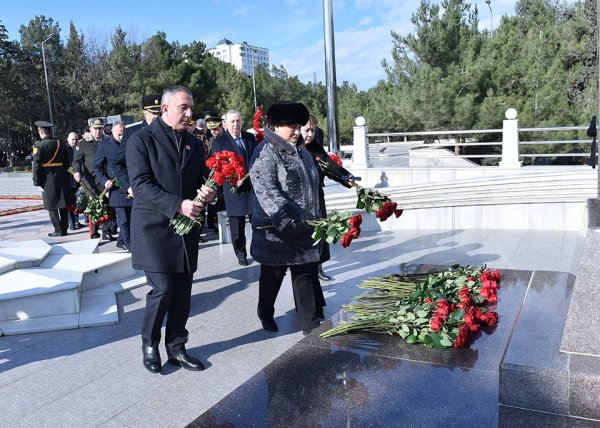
(377, 380)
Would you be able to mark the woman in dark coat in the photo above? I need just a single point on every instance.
(327, 167)
(286, 186)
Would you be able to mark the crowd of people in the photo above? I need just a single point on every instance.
(153, 172)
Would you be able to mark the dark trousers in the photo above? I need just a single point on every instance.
(269, 284)
(123, 220)
(60, 220)
(170, 296)
(237, 228)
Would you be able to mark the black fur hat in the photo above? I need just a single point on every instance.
(287, 113)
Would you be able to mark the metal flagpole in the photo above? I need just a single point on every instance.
(332, 120)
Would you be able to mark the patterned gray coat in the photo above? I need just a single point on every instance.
(286, 188)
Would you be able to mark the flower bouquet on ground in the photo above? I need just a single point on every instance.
(95, 206)
(224, 166)
(441, 310)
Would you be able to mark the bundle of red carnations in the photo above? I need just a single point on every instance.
(224, 166)
(339, 226)
(95, 207)
(441, 310)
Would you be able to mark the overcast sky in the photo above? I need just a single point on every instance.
(292, 30)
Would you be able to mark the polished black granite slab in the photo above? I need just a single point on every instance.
(377, 380)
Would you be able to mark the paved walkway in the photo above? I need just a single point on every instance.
(94, 376)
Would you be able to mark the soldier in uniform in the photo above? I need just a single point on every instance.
(151, 108)
(50, 165)
(84, 163)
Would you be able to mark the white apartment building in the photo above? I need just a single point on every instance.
(243, 56)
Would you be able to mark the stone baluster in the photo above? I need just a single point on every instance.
(510, 140)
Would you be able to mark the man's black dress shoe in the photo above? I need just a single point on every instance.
(56, 234)
(186, 361)
(267, 325)
(243, 262)
(95, 236)
(151, 359)
(108, 237)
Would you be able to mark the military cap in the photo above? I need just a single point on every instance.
(96, 122)
(212, 119)
(43, 124)
(151, 103)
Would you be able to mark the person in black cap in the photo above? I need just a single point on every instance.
(50, 165)
(84, 164)
(286, 184)
(151, 109)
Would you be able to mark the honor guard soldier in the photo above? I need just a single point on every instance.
(50, 165)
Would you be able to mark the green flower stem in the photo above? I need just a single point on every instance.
(183, 224)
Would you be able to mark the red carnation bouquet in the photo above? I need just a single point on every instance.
(95, 207)
(339, 226)
(224, 166)
(439, 310)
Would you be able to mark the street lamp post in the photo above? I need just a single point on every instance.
(489, 3)
(46, 76)
(253, 81)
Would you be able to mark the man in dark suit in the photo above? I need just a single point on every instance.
(72, 140)
(104, 170)
(240, 203)
(50, 165)
(167, 170)
(151, 109)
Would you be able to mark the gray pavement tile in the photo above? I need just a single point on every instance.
(150, 413)
(58, 416)
(116, 391)
(18, 362)
(18, 402)
(30, 340)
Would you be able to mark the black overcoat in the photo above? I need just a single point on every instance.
(104, 170)
(241, 202)
(50, 165)
(161, 178)
(84, 163)
(332, 171)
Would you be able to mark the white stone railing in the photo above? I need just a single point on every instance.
(510, 156)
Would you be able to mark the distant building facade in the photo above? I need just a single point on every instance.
(242, 56)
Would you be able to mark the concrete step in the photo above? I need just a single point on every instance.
(97, 270)
(38, 292)
(68, 285)
(529, 188)
(99, 305)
